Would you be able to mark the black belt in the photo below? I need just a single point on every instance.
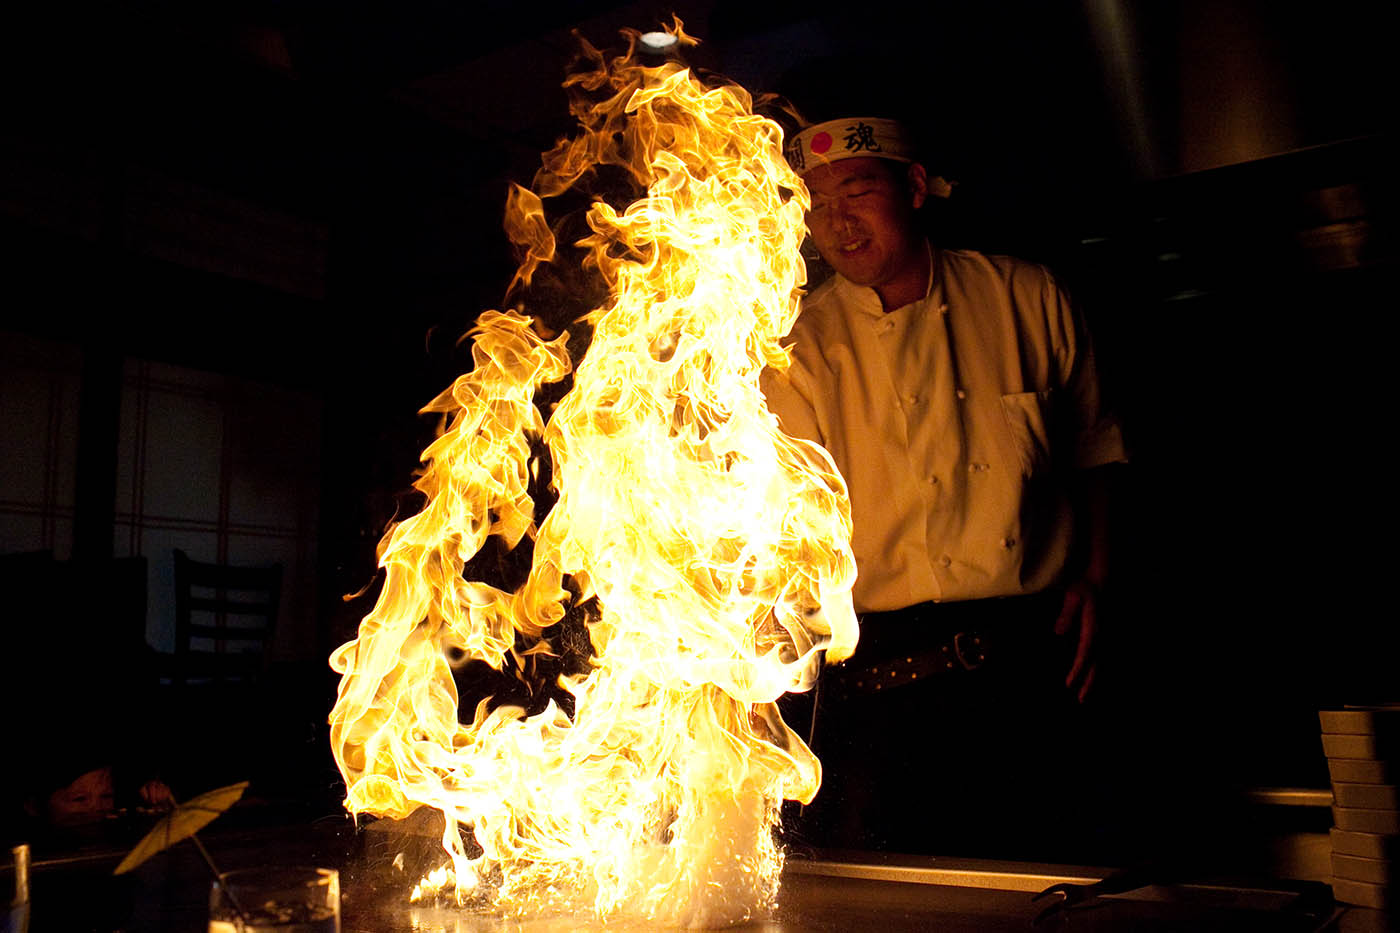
(963, 652)
(898, 649)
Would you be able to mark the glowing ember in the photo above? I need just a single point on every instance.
(707, 552)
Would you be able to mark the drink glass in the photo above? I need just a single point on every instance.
(17, 920)
(276, 900)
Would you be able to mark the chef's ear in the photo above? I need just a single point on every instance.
(918, 185)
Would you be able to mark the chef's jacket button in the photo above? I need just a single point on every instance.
(912, 399)
(943, 308)
(1008, 543)
(932, 480)
(962, 394)
(945, 561)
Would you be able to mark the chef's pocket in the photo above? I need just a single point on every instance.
(1028, 420)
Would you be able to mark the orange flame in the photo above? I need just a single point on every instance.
(713, 549)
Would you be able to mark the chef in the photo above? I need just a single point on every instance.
(957, 393)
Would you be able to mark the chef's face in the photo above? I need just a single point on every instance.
(862, 218)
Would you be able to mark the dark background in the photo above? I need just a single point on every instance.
(1214, 180)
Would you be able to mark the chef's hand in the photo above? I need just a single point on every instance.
(1079, 615)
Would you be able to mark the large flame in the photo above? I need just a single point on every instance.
(708, 552)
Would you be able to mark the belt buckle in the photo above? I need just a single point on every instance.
(968, 649)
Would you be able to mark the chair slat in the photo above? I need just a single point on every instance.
(223, 633)
(231, 607)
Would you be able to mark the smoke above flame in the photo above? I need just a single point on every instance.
(705, 554)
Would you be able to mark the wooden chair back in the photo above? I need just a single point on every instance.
(224, 620)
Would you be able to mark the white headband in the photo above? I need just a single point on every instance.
(851, 138)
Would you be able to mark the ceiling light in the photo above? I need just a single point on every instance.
(658, 41)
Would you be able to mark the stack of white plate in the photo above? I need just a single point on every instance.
(1363, 757)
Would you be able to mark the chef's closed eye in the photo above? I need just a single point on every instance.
(819, 206)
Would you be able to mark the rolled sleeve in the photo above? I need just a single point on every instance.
(1097, 434)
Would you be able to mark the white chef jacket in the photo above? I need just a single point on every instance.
(955, 421)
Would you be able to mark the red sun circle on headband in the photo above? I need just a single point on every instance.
(821, 143)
